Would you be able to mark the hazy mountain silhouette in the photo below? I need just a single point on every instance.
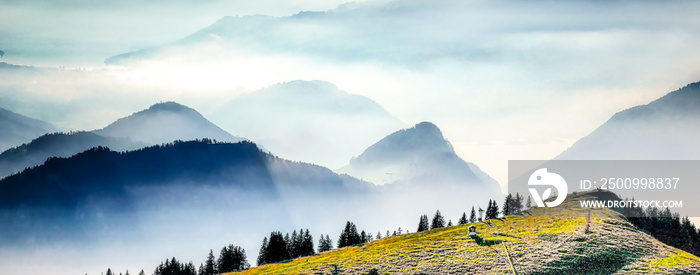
(18, 129)
(414, 153)
(666, 128)
(311, 121)
(97, 186)
(166, 122)
(421, 172)
(58, 145)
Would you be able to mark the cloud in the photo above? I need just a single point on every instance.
(481, 70)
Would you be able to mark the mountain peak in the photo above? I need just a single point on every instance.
(666, 128)
(170, 106)
(165, 122)
(422, 139)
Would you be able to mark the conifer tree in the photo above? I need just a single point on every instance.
(507, 205)
(472, 216)
(438, 221)
(492, 210)
(276, 248)
(379, 235)
(449, 224)
(232, 258)
(423, 223)
(349, 235)
(324, 244)
(210, 264)
(262, 256)
(518, 205)
(329, 242)
(463, 220)
(529, 203)
(293, 246)
(307, 244)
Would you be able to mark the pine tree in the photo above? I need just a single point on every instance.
(472, 216)
(307, 244)
(449, 224)
(463, 220)
(507, 205)
(109, 271)
(423, 223)
(438, 221)
(353, 236)
(495, 210)
(142, 272)
(379, 235)
(276, 248)
(363, 237)
(388, 234)
(518, 205)
(492, 210)
(344, 236)
(288, 244)
(488, 211)
(238, 258)
(210, 264)
(293, 246)
(349, 235)
(529, 203)
(262, 256)
(324, 244)
(329, 242)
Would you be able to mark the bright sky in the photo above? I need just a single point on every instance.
(502, 79)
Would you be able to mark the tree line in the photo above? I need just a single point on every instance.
(280, 248)
(667, 227)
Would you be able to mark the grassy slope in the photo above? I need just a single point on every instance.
(541, 242)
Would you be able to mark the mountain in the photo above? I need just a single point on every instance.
(17, 129)
(666, 128)
(80, 197)
(536, 243)
(58, 145)
(311, 121)
(416, 155)
(419, 172)
(164, 123)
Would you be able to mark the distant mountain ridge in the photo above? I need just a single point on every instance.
(666, 128)
(164, 123)
(58, 145)
(418, 165)
(18, 129)
(414, 153)
(310, 121)
(97, 186)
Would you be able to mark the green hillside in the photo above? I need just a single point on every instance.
(561, 242)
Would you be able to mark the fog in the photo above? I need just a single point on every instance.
(503, 80)
(184, 219)
(512, 80)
